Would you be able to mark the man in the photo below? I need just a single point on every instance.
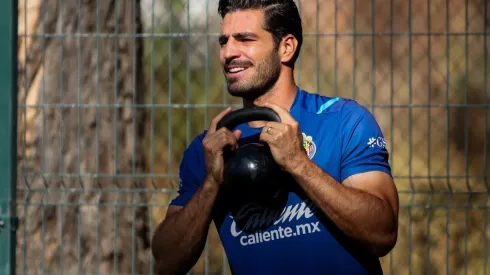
(339, 214)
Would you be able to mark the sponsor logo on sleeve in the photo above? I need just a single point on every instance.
(377, 142)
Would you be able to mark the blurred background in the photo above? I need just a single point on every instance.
(110, 93)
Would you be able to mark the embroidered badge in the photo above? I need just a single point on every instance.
(309, 146)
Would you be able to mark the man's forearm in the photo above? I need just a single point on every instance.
(180, 239)
(360, 215)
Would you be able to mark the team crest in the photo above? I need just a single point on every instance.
(309, 145)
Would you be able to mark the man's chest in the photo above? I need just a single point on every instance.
(287, 218)
(253, 225)
(291, 214)
(323, 145)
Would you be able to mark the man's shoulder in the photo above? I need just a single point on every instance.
(193, 153)
(196, 142)
(323, 104)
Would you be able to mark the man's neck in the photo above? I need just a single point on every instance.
(282, 94)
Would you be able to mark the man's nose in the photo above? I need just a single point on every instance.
(231, 50)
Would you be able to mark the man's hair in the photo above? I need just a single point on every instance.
(281, 17)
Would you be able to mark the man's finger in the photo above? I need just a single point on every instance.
(283, 113)
(216, 119)
(237, 134)
(265, 137)
(276, 125)
(221, 139)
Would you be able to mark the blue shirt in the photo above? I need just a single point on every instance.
(340, 136)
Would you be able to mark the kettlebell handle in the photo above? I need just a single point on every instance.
(240, 116)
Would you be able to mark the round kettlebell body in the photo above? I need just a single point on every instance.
(251, 171)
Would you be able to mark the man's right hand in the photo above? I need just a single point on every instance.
(214, 142)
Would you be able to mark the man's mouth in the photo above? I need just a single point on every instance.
(235, 71)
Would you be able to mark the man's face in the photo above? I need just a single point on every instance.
(250, 61)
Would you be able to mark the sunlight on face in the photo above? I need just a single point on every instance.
(250, 63)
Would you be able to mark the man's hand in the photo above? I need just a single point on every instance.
(214, 142)
(368, 199)
(284, 139)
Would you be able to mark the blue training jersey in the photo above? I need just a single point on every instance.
(294, 237)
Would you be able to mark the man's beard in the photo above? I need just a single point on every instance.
(266, 75)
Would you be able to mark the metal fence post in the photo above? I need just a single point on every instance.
(8, 133)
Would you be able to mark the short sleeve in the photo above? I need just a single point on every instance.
(363, 143)
(191, 172)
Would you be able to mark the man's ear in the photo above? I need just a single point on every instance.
(288, 47)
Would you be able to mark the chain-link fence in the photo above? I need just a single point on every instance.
(110, 92)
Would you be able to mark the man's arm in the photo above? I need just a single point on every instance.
(364, 207)
(179, 240)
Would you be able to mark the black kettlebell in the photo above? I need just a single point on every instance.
(251, 171)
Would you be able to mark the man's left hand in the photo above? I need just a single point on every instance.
(284, 139)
